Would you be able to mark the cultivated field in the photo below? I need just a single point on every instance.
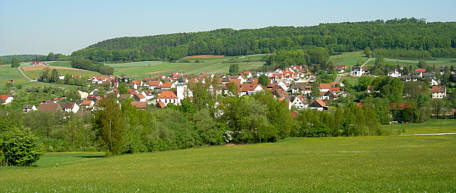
(146, 69)
(35, 72)
(333, 164)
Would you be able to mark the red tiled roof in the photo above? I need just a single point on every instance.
(161, 104)
(86, 102)
(166, 95)
(167, 85)
(154, 83)
(325, 86)
(319, 101)
(139, 105)
(420, 70)
(438, 89)
(49, 107)
(4, 97)
(334, 89)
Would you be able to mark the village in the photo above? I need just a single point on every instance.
(293, 84)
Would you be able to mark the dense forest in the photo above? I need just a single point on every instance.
(437, 39)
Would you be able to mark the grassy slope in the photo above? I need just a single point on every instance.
(343, 164)
(7, 73)
(437, 62)
(348, 58)
(147, 69)
(35, 74)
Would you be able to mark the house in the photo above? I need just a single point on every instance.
(5, 99)
(28, 108)
(83, 94)
(136, 84)
(249, 89)
(318, 105)
(139, 97)
(70, 107)
(154, 84)
(50, 107)
(167, 86)
(438, 92)
(298, 88)
(167, 97)
(139, 105)
(87, 104)
(358, 71)
(324, 87)
(299, 102)
(339, 68)
(394, 74)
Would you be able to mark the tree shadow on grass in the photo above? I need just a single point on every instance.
(91, 156)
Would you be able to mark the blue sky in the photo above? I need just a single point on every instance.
(40, 27)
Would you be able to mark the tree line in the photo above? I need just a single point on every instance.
(437, 38)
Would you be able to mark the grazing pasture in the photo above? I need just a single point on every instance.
(332, 164)
(431, 126)
(35, 72)
(348, 58)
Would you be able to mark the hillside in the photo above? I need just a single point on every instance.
(438, 38)
(339, 164)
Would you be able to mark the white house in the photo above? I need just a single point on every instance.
(5, 99)
(70, 107)
(357, 71)
(438, 92)
(167, 97)
(299, 102)
(28, 108)
(394, 74)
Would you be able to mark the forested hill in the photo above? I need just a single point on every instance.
(438, 38)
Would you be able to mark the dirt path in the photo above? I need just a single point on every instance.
(25, 76)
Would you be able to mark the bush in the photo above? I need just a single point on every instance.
(19, 147)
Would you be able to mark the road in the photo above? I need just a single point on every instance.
(25, 76)
(339, 76)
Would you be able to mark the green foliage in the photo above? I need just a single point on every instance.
(263, 80)
(123, 88)
(315, 57)
(109, 126)
(402, 53)
(81, 63)
(368, 52)
(19, 147)
(404, 34)
(14, 62)
(234, 69)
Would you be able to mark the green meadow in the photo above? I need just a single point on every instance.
(332, 164)
(437, 62)
(8, 73)
(146, 69)
(348, 59)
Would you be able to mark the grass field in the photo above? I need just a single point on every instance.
(437, 62)
(63, 68)
(348, 58)
(7, 73)
(431, 126)
(146, 69)
(332, 164)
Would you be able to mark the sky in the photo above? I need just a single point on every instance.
(64, 26)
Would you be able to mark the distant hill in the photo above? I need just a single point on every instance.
(437, 38)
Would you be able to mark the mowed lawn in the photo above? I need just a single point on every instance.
(333, 164)
(146, 69)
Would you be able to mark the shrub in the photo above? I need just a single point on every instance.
(19, 147)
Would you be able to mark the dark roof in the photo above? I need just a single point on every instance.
(50, 107)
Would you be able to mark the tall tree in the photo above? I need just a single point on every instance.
(15, 62)
(109, 126)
